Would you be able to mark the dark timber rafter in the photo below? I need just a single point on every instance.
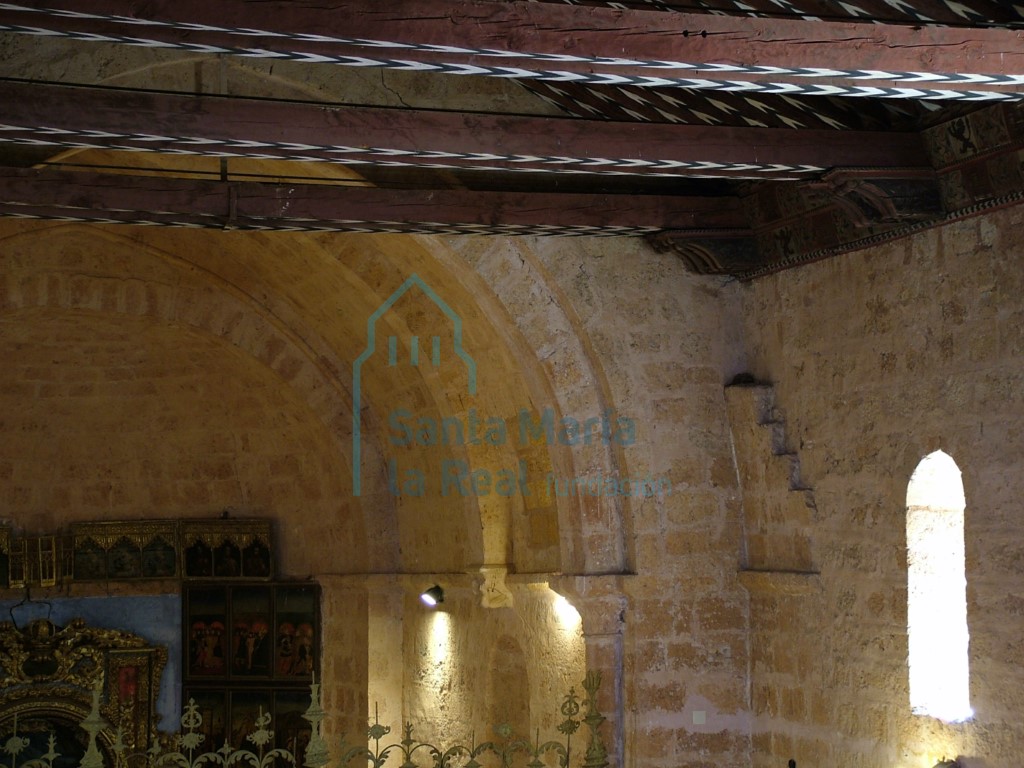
(140, 121)
(159, 200)
(552, 42)
(849, 188)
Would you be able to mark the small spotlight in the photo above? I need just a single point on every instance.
(433, 596)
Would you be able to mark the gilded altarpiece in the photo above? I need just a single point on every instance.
(48, 676)
(251, 648)
(248, 644)
(115, 551)
(226, 549)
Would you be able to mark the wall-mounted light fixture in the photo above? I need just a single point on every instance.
(433, 596)
(944, 763)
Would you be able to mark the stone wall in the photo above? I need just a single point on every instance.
(175, 374)
(665, 345)
(167, 374)
(134, 386)
(879, 358)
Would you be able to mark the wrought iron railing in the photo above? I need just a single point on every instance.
(187, 749)
(508, 751)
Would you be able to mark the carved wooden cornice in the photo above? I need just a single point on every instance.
(977, 165)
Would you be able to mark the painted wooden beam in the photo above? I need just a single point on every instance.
(146, 121)
(554, 42)
(163, 200)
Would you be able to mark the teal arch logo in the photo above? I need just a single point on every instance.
(431, 351)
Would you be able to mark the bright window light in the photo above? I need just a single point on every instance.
(568, 616)
(937, 591)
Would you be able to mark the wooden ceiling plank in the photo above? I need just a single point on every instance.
(146, 121)
(165, 200)
(574, 43)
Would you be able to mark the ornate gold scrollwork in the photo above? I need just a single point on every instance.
(51, 674)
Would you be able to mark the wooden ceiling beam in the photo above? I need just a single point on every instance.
(162, 200)
(553, 42)
(147, 121)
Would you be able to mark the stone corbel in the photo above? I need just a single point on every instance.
(494, 593)
(709, 252)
